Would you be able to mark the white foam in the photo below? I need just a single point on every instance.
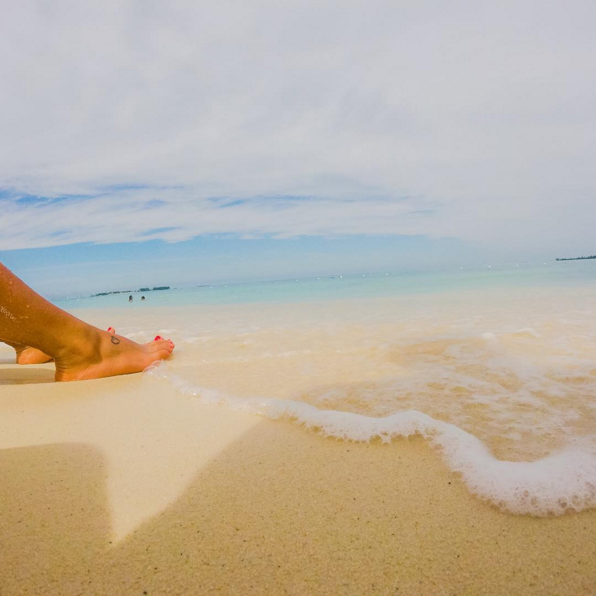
(563, 481)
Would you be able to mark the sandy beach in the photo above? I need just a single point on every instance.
(319, 282)
(113, 487)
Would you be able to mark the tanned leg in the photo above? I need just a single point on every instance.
(28, 355)
(80, 351)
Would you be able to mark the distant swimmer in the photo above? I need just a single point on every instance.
(142, 297)
(130, 298)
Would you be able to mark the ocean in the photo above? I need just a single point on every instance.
(359, 285)
(495, 367)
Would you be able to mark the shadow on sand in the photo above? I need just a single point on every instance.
(281, 511)
(24, 375)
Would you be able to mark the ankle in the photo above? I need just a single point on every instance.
(83, 346)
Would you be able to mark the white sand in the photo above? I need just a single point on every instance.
(109, 487)
(121, 486)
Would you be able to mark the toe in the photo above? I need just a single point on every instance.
(165, 354)
(161, 354)
(163, 344)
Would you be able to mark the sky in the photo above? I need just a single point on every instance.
(186, 142)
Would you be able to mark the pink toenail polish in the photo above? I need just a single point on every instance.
(157, 338)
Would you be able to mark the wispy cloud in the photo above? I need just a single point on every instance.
(127, 120)
(175, 215)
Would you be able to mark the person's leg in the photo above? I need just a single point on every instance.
(80, 351)
(29, 355)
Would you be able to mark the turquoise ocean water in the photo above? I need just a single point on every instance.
(363, 285)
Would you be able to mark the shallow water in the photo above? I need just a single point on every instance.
(362, 285)
(500, 376)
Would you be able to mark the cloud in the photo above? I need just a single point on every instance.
(176, 215)
(127, 120)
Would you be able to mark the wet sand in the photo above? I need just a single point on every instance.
(114, 487)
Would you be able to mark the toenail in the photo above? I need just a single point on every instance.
(157, 338)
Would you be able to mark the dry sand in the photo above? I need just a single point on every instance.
(117, 487)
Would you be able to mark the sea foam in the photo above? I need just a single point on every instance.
(563, 481)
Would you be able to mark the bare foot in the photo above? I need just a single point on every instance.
(28, 355)
(100, 354)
